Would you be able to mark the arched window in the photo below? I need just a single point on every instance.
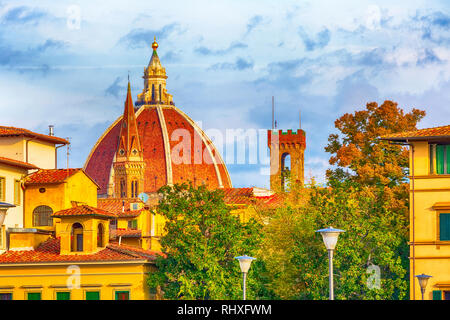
(100, 231)
(77, 237)
(123, 189)
(42, 216)
(285, 170)
(134, 189)
(160, 95)
(153, 92)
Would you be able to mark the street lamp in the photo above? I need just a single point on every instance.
(423, 281)
(330, 237)
(244, 262)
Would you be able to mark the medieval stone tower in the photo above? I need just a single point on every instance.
(286, 158)
(129, 165)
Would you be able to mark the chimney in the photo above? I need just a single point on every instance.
(50, 130)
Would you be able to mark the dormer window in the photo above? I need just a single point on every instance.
(439, 159)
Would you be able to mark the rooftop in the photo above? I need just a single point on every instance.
(17, 163)
(49, 251)
(84, 210)
(13, 131)
(426, 134)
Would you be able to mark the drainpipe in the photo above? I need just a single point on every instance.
(56, 155)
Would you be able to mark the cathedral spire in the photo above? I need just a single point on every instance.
(129, 144)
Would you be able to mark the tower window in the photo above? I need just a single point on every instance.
(77, 237)
(134, 189)
(153, 92)
(160, 95)
(100, 231)
(123, 192)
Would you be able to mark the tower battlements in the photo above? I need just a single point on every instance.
(286, 157)
(289, 138)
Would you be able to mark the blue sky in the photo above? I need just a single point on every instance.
(225, 60)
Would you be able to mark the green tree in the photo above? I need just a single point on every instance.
(297, 260)
(202, 238)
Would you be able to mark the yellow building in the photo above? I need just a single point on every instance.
(64, 253)
(77, 263)
(429, 209)
(30, 147)
(51, 190)
(12, 173)
(137, 224)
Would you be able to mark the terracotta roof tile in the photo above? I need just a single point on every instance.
(13, 131)
(17, 163)
(420, 134)
(84, 210)
(50, 176)
(246, 196)
(115, 205)
(126, 233)
(49, 251)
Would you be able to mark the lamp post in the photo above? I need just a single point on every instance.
(423, 281)
(330, 237)
(244, 262)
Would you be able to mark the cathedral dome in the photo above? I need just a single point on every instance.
(161, 128)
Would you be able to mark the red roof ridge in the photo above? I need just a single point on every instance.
(15, 131)
(18, 163)
(84, 210)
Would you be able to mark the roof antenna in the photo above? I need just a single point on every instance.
(273, 112)
(128, 75)
(299, 119)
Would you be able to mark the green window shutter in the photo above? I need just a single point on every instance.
(135, 224)
(447, 158)
(34, 296)
(93, 295)
(440, 159)
(437, 295)
(122, 295)
(63, 296)
(444, 226)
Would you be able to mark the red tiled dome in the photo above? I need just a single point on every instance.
(157, 120)
(212, 173)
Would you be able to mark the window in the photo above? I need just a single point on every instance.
(132, 224)
(444, 226)
(2, 189)
(63, 295)
(92, 295)
(17, 190)
(33, 296)
(6, 296)
(42, 216)
(446, 295)
(439, 159)
(122, 295)
(123, 191)
(100, 231)
(134, 189)
(437, 295)
(2, 237)
(77, 238)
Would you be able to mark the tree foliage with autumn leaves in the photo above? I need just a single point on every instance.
(360, 156)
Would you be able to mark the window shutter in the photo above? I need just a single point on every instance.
(92, 295)
(63, 296)
(444, 226)
(447, 158)
(437, 295)
(440, 159)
